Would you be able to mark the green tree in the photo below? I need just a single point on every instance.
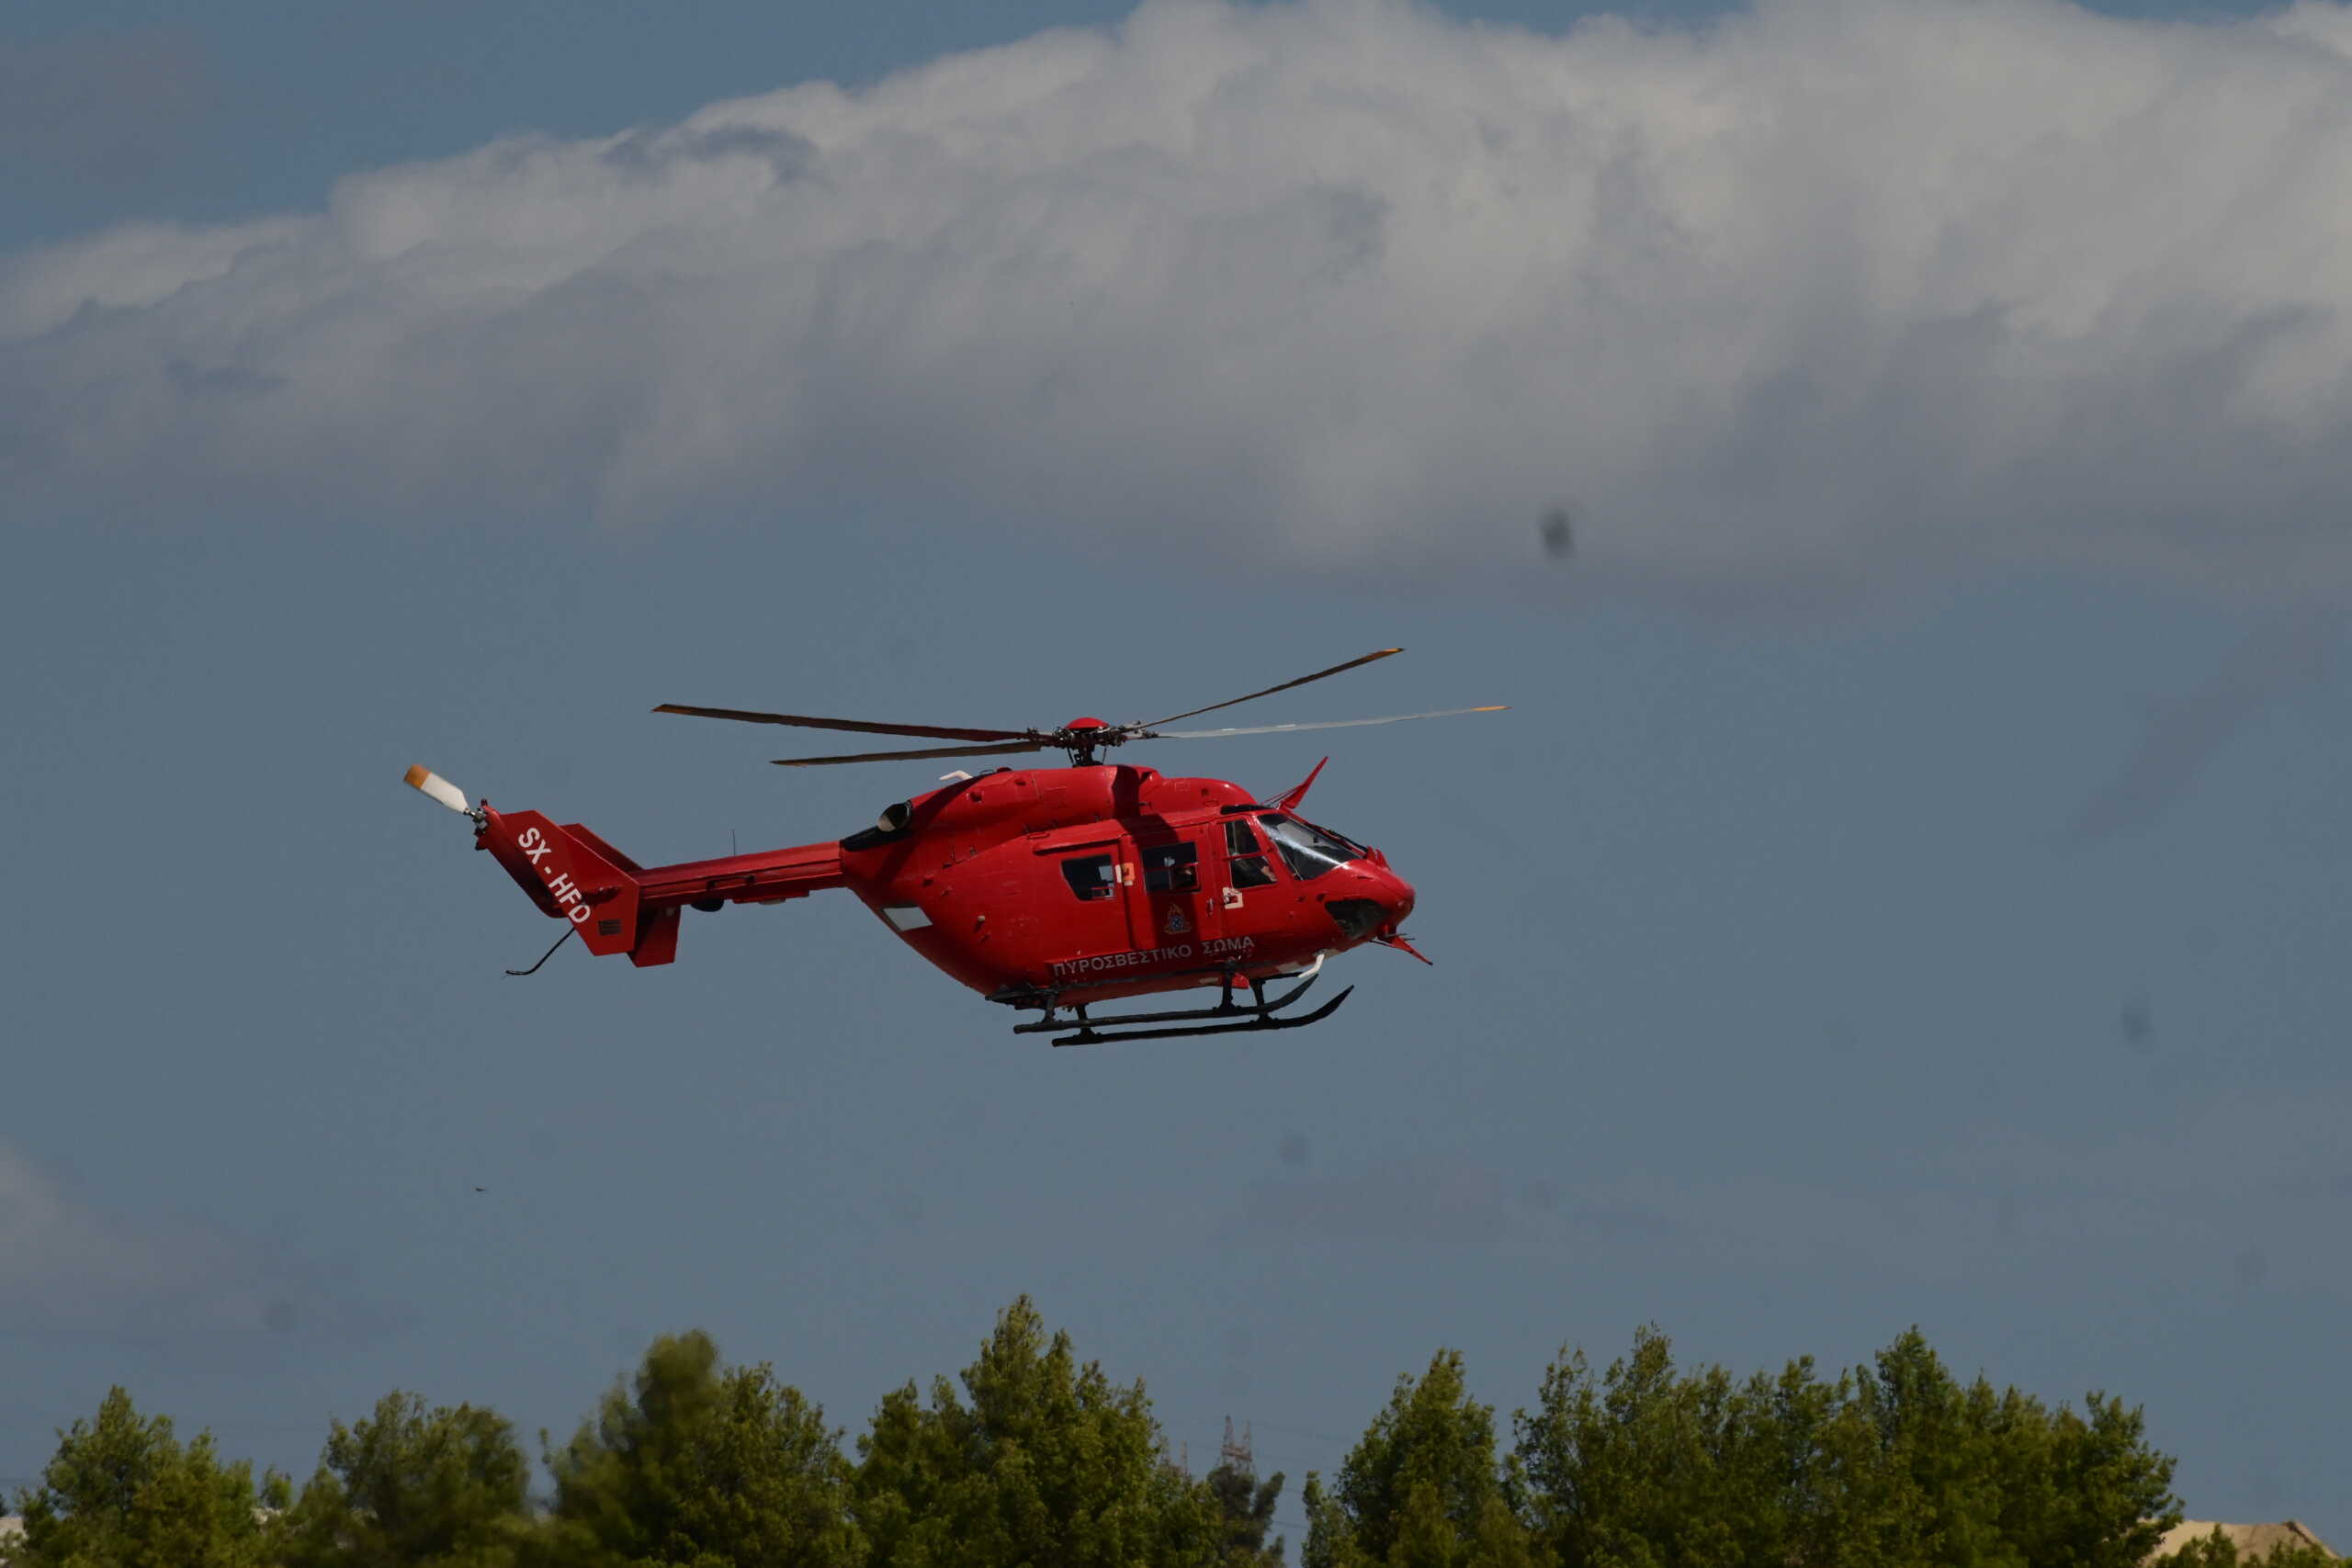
(413, 1488)
(1937, 1463)
(1897, 1464)
(2002, 1480)
(1642, 1465)
(1246, 1505)
(1422, 1489)
(1331, 1534)
(700, 1466)
(2114, 1498)
(1040, 1461)
(124, 1492)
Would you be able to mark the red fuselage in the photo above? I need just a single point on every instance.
(1084, 883)
(1112, 881)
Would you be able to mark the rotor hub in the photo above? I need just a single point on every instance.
(1081, 737)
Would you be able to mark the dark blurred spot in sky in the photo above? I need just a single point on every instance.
(1558, 532)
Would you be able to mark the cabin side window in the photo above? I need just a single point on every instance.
(1244, 859)
(1090, 877)
(1172, 868)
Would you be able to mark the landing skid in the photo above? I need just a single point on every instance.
(1258, 1014)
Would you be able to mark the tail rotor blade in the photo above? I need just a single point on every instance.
(433, 784)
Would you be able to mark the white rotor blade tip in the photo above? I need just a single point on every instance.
(423, 778)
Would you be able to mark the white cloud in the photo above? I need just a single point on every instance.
(136, 265)
(1823, 293)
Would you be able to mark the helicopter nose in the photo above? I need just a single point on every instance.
(1376, 908)
(1400, 904)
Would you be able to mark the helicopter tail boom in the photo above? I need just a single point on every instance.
(616, 906)
(571, 875)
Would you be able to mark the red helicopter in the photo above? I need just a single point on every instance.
(1039, 887)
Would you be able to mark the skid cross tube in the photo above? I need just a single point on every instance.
(1224, 1008)
(1088, 1034)
(1225, 1018)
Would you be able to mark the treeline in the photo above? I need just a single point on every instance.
(1643, 1465)
(1038, 1460)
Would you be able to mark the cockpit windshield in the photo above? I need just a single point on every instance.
(1307, 849)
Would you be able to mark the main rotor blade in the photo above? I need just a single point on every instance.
(1287, 686)
(937, 731)
(1327, 723)
(911, 756)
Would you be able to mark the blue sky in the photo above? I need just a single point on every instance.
(1906, 888)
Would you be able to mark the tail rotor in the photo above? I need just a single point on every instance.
(434, 786)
